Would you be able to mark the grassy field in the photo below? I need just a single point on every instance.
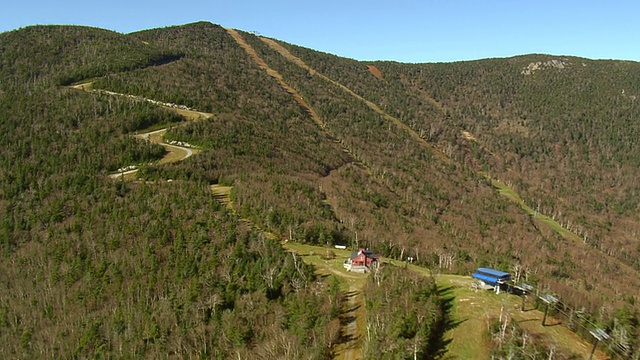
(222, 193)
(472, 309)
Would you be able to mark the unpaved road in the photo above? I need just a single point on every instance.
(174, 152)
(185, 111)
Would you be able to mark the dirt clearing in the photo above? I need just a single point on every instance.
(375, 71)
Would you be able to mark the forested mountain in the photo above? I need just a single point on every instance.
(404, 159)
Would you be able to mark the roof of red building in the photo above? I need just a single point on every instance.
(366, 253)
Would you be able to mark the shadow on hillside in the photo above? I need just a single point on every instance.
(526, 309)
(438, 344)
(348, 312)
(345, 336)
(552, 324)
(348, 322)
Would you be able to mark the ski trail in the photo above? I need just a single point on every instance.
(296, 95)
(397, 122)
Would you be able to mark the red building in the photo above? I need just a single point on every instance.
(362, 260)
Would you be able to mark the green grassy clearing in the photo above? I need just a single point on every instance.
(509, 193)
(221, 191)
(316, 256)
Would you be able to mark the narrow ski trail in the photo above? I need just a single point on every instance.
(352, 310)
(350, 332)
(297, 97)
(397, 122)
(274, 74)
(350, 348)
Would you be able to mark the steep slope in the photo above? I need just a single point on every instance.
(416, 137)
(253, 55)
(557, 129)
(413, 204)
(99, 268)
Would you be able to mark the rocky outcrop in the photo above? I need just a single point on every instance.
(543, 65)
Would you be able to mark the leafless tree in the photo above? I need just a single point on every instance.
(445, 259)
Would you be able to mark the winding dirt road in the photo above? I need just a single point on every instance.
(174, 152)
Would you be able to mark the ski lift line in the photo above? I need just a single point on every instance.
(557, 301)
(606, 341)
(612, 344)
(549, 299)
(585, 324)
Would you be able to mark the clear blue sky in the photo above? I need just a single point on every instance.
(402, 30)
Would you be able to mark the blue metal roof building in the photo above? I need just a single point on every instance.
(491, 276)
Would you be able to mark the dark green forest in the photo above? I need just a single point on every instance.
(406, 316)
(147, 267)
(94, 267)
